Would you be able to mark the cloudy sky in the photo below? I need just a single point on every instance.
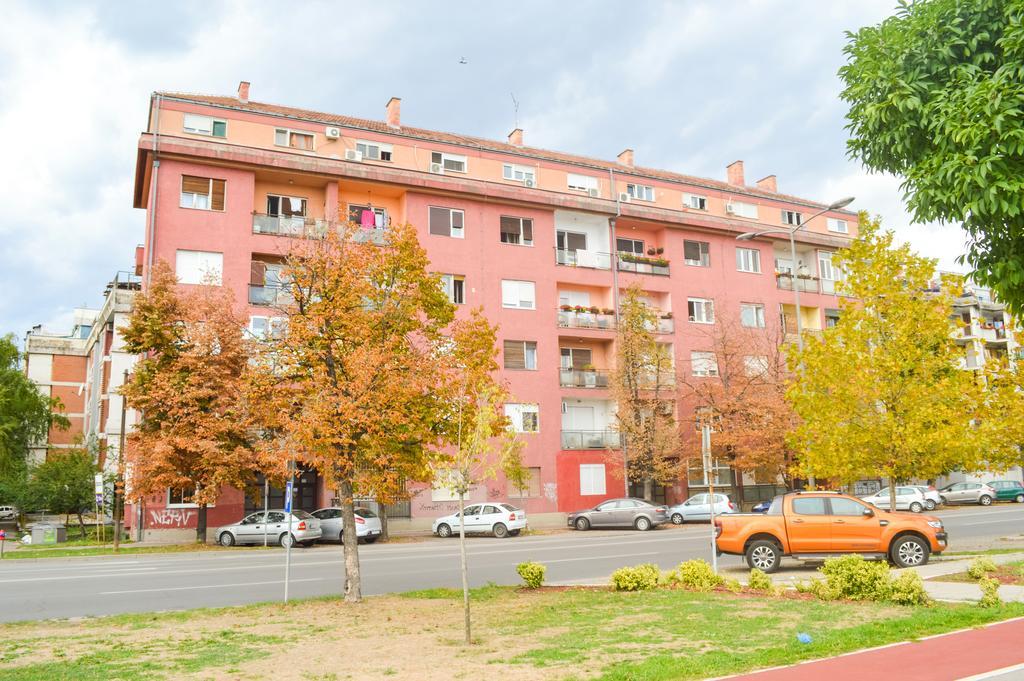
(690, 85)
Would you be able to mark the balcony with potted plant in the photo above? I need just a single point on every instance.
(652, 263)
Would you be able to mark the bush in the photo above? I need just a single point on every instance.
(989, 592)
(759, 581)
(697, 575)
(637, 578)
(908, 589)
(981, 567)
(733, 585)
(855, 579)
(532, 574)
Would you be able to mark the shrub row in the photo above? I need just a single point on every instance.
(855, 579)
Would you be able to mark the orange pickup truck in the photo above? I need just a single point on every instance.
(816, 525)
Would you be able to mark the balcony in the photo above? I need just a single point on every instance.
(662, 325)
(784, 281)
(627, 262)
(579, 258)
(309, 228)
(583, 378)
(269, 295)
(580, 319)
(590, 439)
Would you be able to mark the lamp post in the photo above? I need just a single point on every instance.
(747, 236)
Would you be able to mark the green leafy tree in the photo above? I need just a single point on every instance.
(883, 393)
(63, 483)
(936, 96)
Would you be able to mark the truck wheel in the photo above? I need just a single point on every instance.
(909, 552)
(764, 555)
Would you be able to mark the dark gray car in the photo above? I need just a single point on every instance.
(636, 513)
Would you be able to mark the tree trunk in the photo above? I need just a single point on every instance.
(382, 511)
(81, 524)
(648, 489)
(201, 525)
(465, 567)
(350, 544)
(892, 494)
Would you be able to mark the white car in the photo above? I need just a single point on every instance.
(932, 498)
(305, 529)
(500, 519)
(907, 499)
(367, 524)
(698, 507)
(8, 513)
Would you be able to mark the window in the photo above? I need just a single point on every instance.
(755, 365)
(831, 318)
(642, 192)
(849, 507)
(266, 327)
(703, 363)
(204, 125)
(695, 202)
(380, 215)
(574, 298)
(293, 139)
(697, 476)
(629, 246)
(701, 310)
(748, 260)
(199, 267)
(440, 492)
(452, 162)
(375, 151)
(454, 286)
(177, 496)
(791, 217)
(752, 315)
(518, 294)
(826, 270)
(523, 418)
(835, 225)
(576, 358)
(516, 173)
(516, 231)
(592, 479)
(286, 206)
(447, 222)
(202, 193)
(532, 486)
(743, 210)
(697, 253)
(809, 506)
(520, 354)
(582, 183)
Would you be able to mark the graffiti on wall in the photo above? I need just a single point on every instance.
(434, 507)
(170, 517)
(551, 491)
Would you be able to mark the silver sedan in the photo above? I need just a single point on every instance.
(273, 524)
(636, 513)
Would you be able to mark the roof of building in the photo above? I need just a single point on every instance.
(475, 142)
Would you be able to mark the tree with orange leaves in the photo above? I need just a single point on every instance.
(187, 386)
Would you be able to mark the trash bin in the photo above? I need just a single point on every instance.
(49, 533)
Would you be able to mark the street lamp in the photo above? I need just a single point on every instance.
(835, 205)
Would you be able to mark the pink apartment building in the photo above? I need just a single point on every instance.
(529, 234)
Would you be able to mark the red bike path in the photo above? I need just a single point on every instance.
(945, 657)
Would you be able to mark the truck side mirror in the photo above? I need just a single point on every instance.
(868, 513)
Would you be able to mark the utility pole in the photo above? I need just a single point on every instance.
(266, 497)
(119, 482)
(289, 540)
(709, 475)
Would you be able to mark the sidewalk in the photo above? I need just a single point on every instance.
(969, 654)
(965, 591)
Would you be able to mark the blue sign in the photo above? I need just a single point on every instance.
(288, 497)
(99, 498)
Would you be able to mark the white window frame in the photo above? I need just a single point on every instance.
(453, 231)
(743, 209)
(522, 291)
(193, 196)
(703, 363)
(182, 260)
(445, 157)
(705, 253)
(192, 124)
(755, 365)
(366, 148)
(291, 199)
(633, 251)
(515, 411)
(529, 353)
(592, 480)
(703, 310)
(523, 241)
(695, 201)
(757, 310)
(581, 183)
(182, 504)
(640, 192)
(793, 218)
(826, 270)
(838, 226)
(518, 173)
(288, 132)
(748, 260)
(448, 286)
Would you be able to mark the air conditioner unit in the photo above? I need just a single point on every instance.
(730, 209)
(437, 168)
(353, 155)
(594, 192)
(624, 197)
(529, 183)
(333, 133)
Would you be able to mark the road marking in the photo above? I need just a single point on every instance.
(630, 556)
(213, 586)
(971, 514)
(986, 522)
(994, 673)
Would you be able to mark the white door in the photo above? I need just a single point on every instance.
(579, 418)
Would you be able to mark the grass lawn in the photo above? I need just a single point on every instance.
(520, 636)
(1007, 573)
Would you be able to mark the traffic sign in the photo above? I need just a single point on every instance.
(99, 498)
(98, 483)
(288, 497)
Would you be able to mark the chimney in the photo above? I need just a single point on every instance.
(394, 112)
(515, 138)
(768, 184)
(626, 158)
(243, 91)
(734, 173)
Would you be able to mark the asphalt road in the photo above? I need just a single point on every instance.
(75, 587)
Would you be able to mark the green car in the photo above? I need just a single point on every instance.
(1008, 490)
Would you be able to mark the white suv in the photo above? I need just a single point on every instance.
(8, 513)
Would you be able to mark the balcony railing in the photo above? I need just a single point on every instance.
(309, 228)
(583, 378)
(784, 281)
(269, 295)
(578, 258)
(662, 325)
(590, 439)
(571, 319)
(642, 265)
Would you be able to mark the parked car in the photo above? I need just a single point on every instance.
(815, 525)
(932, 498)
(367, 524)
(698, 507)
(761, 506)
(8, 513)
(968, 493)
(499, 519)
(907, 499)
(1008, 490)
(636, 513)
(274, 524)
